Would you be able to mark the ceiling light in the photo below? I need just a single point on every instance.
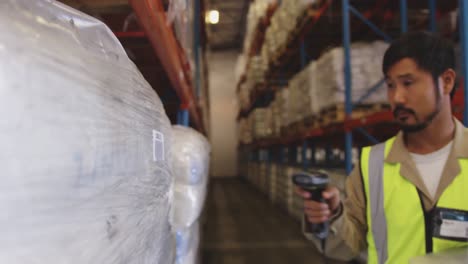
(212, 17)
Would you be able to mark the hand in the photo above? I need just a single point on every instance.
(317, 212)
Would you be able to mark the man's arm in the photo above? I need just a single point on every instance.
(348, 227)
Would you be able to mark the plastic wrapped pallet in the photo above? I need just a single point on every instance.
(180, 13)
(262, 123)
(366, 61)
(256, 70)
(283, 23)
(245, 131)
(188, 242)
(302, 91)
(257, 10)
(284, 105)
(85, 144)
(190, 166)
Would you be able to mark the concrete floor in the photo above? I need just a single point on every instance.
(240, 226)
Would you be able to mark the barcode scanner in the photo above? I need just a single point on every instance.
(314, 182)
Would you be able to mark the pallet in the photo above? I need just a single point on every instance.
(337, 114)
(374, 107)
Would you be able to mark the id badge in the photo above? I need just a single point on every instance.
(451, 224)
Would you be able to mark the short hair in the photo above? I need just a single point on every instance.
(431, 53)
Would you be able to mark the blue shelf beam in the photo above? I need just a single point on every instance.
(183, 117)
(432, 16)
(404, 16)
(371, 91)
(366, 21)
(347, 73)
(196, 46)
(463, 7)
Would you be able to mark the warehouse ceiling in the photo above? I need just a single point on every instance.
(229, 32)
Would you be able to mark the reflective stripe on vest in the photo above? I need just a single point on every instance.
(391, 198)
(379, 222)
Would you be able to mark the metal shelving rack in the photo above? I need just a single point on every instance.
(153, 19)
(276, 149)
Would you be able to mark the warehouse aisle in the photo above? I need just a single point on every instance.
(242, 227)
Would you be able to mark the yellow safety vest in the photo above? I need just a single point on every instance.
(398, 226)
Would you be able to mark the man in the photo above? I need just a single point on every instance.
(403, 196)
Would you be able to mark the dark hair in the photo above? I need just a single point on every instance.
(431, 53)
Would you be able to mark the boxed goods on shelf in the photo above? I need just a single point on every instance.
(283, 24)
(256, 70)
(85, 142)
(276, 115)
(284, 105)
(262, 123)
(366, 64)
(245, 90)
(180, 13)
(245, 130)
(302, 91)
(257, 11)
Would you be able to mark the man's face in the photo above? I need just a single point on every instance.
(413, 95)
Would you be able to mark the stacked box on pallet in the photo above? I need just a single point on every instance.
(257, 11)
(256, 70)
(283, 23)
(302, 91)
(276, 116)
(262, 123)
(284, 105)
(245, 130)
(244, 95)
(366, 62)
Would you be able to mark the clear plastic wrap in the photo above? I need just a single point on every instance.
(180, 14)
(188, 241)
(190, 167)
(84, 144)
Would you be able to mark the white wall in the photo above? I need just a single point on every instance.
(223, 113)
